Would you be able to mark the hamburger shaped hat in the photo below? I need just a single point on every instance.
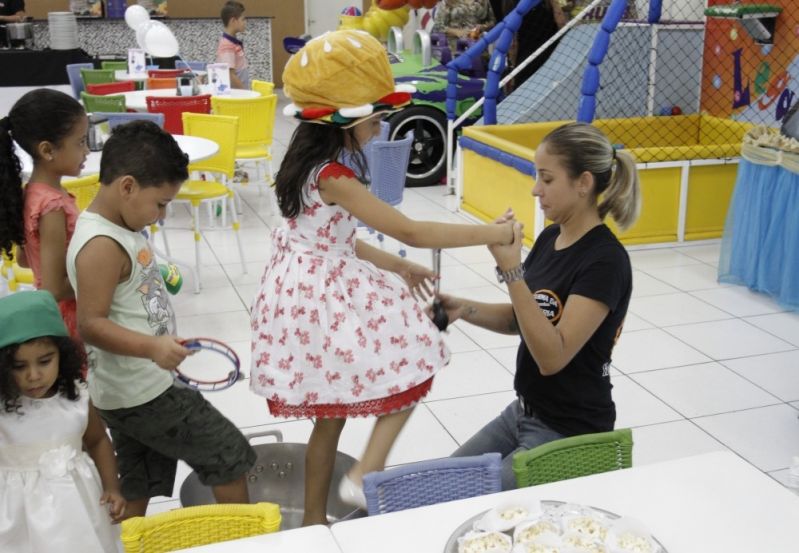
(341, 78)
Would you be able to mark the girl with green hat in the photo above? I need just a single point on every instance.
(57, 465)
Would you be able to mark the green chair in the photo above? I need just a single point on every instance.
(94, 103)
(114, 65)
(574, 457)
(97, 76)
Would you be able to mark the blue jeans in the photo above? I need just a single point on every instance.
(510, 432)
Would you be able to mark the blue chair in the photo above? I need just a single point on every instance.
(116, 119)
(388, 166)
(75, 78)
(430, 482)
(193, 65)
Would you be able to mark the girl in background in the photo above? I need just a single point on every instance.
(58, 473)
(51, 127)
(334, 335)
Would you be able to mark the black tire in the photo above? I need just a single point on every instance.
(428, 163)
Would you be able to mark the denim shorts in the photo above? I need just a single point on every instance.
(150, 438)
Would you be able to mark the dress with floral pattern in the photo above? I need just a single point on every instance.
(333, 336)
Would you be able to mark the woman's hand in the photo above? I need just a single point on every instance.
(453, 306)
(116, 505)
(510, 255)
(420, 280)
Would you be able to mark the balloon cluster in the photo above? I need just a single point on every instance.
(153, 37)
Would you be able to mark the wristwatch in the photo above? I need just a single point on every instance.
(511, 275)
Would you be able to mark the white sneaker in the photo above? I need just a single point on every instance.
(351, 494)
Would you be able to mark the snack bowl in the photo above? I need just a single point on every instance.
(583, 543)
(485, 542)
(532, 530)
(545, 543)
(591, 525)
(628, 535)
(508, 515)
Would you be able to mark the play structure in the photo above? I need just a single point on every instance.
(679, 94)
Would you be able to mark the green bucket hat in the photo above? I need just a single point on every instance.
(28, 315)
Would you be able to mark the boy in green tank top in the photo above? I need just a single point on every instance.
(127, 322)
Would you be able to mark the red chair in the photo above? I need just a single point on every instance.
(174, 106)
(165, 73)
(111, 88)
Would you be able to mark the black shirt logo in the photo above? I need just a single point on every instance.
(550, 304)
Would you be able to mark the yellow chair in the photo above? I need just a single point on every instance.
(14, 274)
(218, 170)
(84, 189)
(256, 129)
(265, 88)
(195, 526)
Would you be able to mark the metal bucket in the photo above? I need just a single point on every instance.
(278, 476)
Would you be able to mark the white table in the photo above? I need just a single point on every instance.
(713, 503)
(136, 100)
(197, 148)
(316, 539)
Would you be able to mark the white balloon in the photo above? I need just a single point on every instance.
(141, 30)
(135, 15)
(160, 42)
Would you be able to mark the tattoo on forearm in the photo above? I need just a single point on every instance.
(469, 311)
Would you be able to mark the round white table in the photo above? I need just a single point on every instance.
(136, 100)
(197, 149)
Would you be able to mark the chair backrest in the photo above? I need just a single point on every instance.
(388, 166)
(574, 457)
(195, 526)
(84, 189)
(111, 88)
(165, 73)
(94, 103)
(174, 106)
(116, 119)
(264, 87)
(161, 82)
(223, 130)
(432, 481)
(97, 76)
(75, 78)
(256, 117)
(114, 65)
(193, 65)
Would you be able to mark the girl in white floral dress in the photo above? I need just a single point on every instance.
(335, 335)
(58, 474)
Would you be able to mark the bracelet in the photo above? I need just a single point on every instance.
(511, 275)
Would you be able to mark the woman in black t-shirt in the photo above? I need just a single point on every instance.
(568, 299)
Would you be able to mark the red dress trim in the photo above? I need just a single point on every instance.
(380, 406)
(334, 170)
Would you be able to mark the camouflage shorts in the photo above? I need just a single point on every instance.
(179, 424)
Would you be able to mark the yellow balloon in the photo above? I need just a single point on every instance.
(350, 22)
(392, 18)
(369, 26)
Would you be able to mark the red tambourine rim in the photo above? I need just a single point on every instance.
(228, 350)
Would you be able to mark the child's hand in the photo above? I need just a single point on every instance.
(508, 256)
(116, 505)
(420, 280)
(168, 352)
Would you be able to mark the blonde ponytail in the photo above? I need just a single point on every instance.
(582, 147)
(622, 198)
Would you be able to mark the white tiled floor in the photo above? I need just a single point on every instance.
(700, 366)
